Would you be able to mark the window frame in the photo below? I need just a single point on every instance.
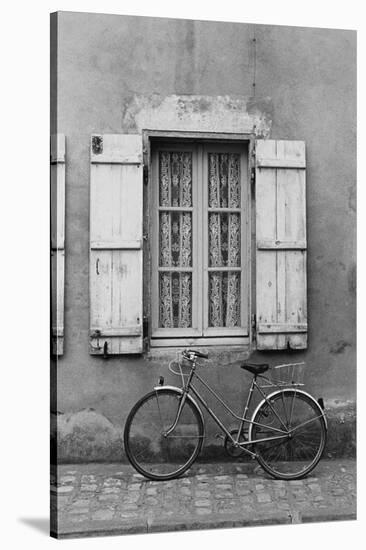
(154, 243)
(160, 338)
(222, 332)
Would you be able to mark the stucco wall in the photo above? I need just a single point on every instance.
(115, 73)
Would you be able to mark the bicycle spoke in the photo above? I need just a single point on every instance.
(292, 407)
(157, 456)
(161, 419)
(154, 428)
(306, 422)
(171, 438)
(285, 411)
(296, 455)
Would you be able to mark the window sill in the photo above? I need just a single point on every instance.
(217, 354)
(199, 342)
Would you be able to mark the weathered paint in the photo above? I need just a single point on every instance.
(280, 245)
(117, 73)
(57, 195)
(116, 256)
(198, 113)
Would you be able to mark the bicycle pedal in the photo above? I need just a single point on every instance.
(219, 436)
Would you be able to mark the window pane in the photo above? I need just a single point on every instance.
(175, 178)
(224, 299)
(175, 299)
(223, 240)
(224, 180)
(175, 229)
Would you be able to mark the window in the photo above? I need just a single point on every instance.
(199, 285)
(195, 250)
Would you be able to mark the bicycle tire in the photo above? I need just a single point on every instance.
(152, 454)
(297, 455)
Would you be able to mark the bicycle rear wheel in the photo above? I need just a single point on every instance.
(298, 452)
(151, 452)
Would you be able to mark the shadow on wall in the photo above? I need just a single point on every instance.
(88, 436)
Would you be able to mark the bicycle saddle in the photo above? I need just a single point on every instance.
(255, 368)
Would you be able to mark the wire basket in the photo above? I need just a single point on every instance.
(180, 366)
(287, 375)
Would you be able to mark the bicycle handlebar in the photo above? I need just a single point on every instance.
(188, 352)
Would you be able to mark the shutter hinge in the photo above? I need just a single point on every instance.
(96, 334)
(252, 165)
(254, 323)
(145, 174)
(144, 155)
(145, 326)
(145, 333)
(252, 176)
(145, 165)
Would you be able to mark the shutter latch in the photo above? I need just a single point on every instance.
(97, 145)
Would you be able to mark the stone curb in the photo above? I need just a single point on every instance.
(326, 515)
(100, 529)
(215, 521)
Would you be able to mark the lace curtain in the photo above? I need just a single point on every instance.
(175, 246)
(175, 239)
(224, 228)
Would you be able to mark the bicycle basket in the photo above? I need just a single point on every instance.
(180, 367)
(287, 375)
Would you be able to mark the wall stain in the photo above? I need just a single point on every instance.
(197, 113)
(184, 81)
(132, 104)
(352, 198)
(263, 105)
(89, 436)
(352, 279)
(340, 347)
(263, 109)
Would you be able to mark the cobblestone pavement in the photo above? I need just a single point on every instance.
(100, 499)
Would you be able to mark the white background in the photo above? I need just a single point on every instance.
(24, 285)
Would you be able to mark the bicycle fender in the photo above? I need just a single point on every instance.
(285, 391)
(179, 390)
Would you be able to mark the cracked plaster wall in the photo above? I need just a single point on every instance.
(235, 114)
(119, 74)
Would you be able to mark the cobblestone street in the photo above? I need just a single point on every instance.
(105, 499)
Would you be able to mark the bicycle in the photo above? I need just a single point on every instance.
(164, 432)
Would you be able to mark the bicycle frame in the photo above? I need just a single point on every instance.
(242, 419)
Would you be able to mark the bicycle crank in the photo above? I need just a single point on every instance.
(230, 448)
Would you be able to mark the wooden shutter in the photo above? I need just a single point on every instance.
(116, 244)
(57, 241)
(280, 245)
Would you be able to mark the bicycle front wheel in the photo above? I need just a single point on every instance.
(297, 422)
(153, 453)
